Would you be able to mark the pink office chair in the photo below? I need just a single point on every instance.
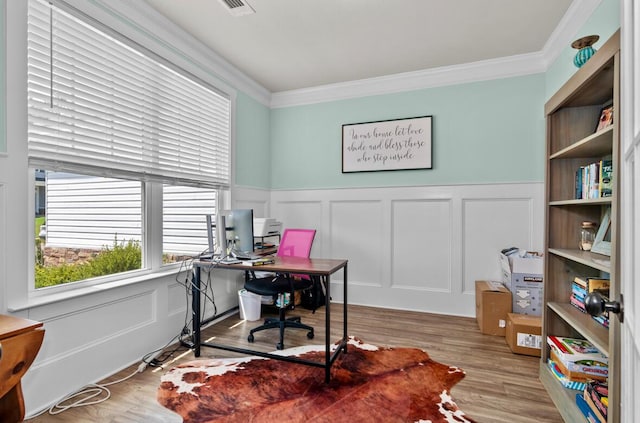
(294, 243)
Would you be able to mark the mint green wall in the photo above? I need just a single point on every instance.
(483, 132)
(253, 152)
(604, 21)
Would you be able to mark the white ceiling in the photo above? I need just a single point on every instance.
(294, 44)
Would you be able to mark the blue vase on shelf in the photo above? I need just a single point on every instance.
(585, 49)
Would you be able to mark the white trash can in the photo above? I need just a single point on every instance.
(250, 305)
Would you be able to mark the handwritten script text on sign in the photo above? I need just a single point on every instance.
(389, 145)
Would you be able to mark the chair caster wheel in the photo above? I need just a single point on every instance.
(310, 335)
(280, 346)
(250, 338)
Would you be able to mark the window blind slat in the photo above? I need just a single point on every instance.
(117, 111)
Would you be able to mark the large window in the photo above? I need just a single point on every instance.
(118, 139)
(184, 222)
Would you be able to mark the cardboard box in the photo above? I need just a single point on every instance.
(493, 302)
(523, 277)
(524, 334)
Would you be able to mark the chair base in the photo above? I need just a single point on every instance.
(281, 323)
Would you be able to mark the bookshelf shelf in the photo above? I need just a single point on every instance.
(572, 143)
(596, 261)
(597, 144)
(591, 330)
(586, 202)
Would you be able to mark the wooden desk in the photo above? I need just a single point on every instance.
(323, 268)
(20, 341)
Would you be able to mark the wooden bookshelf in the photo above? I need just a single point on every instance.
(572, 116)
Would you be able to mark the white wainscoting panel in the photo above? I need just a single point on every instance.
(356, 233)
(421, 245)
(490, 225)
(107, 321)
(177, 299)
(416, 248)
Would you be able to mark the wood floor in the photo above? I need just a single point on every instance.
(499, 386)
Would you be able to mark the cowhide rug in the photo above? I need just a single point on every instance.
(368, 384)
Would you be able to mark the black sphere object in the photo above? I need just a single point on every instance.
(595, 304)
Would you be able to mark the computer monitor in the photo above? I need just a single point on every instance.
(216, 236)
(221, 235)
(239, 234)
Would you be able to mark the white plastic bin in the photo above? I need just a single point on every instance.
(250, 305)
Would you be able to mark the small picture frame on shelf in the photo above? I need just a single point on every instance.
(602, 242)
(606, 117)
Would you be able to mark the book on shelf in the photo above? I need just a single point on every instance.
(597, 395)
(575, 373)
(564, 381)
(590, 283)
(575, 349)
(579, 291)
(603, 320)
(578, 190)
(600, 418)
(579, 356)
(594, 180)
(584, 408)
(606, 175)
(577, 303)
(579, 294)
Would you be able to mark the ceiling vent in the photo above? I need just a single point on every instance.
(238, 7)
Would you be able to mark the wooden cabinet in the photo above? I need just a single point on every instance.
(572, 116)
(20, 341)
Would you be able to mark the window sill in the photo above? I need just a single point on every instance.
(38, 299)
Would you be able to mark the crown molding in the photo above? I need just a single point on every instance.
(505, 67)
(574, 18)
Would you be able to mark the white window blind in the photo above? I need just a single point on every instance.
(99, 106)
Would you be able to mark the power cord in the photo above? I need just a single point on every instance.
(89, 395)
(95, 393)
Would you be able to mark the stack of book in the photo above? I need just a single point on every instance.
(584, 285)
(258, 262)
(594, 180)
(576, 362)
(593, 402)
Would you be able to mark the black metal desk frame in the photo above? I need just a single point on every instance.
(323, 268)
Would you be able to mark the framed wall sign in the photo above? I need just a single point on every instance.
(399, 144)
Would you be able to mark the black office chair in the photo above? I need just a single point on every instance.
(294, 243)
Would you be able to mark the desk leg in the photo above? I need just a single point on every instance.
(327, 326)
(195, 310)
(345, 333)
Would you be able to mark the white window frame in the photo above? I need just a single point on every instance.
(199, 65)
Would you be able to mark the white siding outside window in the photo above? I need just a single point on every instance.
(92, 212)
(184, 222)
